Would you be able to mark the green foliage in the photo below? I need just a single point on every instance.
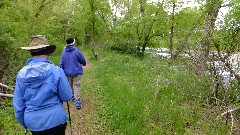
(134, 31)
(90, 19)
(124, 47)
(4, 3)
(8, 122)
(232, 19)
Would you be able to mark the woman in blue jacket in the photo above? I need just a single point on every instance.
(71, 62)
(41, 88)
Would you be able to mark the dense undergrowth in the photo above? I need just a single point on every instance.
(142, 96)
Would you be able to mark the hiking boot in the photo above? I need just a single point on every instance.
(78, 104)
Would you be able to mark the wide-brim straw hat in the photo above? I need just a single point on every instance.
(39, 42)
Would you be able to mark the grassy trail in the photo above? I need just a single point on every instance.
(84, 121)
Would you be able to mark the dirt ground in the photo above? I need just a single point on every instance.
(84, 121)
(79, 119)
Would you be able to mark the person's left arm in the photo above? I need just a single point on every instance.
(61, 64)
(81, 58)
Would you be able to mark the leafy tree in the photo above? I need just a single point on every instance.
(142, 22)
(19, 20)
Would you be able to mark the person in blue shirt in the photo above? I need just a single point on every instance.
(71, 62)
(40, 90)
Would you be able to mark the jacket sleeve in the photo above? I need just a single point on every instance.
(19, 103)
(81, 58)
(64, 89)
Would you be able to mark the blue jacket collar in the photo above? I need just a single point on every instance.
(36, 60)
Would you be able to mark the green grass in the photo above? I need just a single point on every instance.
(131, 104)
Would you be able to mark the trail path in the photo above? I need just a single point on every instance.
(84, 120)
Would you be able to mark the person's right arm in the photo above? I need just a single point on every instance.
(64, 89)
(19, 103)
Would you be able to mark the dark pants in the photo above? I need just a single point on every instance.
(58, 130)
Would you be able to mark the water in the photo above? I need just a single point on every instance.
(226, 75)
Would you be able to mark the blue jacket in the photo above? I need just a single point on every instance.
(41, 88)
(72, 61)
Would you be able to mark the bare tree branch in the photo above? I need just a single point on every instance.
(229, 111)
(5, 86)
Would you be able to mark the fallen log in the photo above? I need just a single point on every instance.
(6, 95)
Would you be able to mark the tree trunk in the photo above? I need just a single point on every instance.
(88, 37)
(172, 31)
(210, 19)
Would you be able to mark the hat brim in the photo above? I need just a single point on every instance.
(51, 48)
